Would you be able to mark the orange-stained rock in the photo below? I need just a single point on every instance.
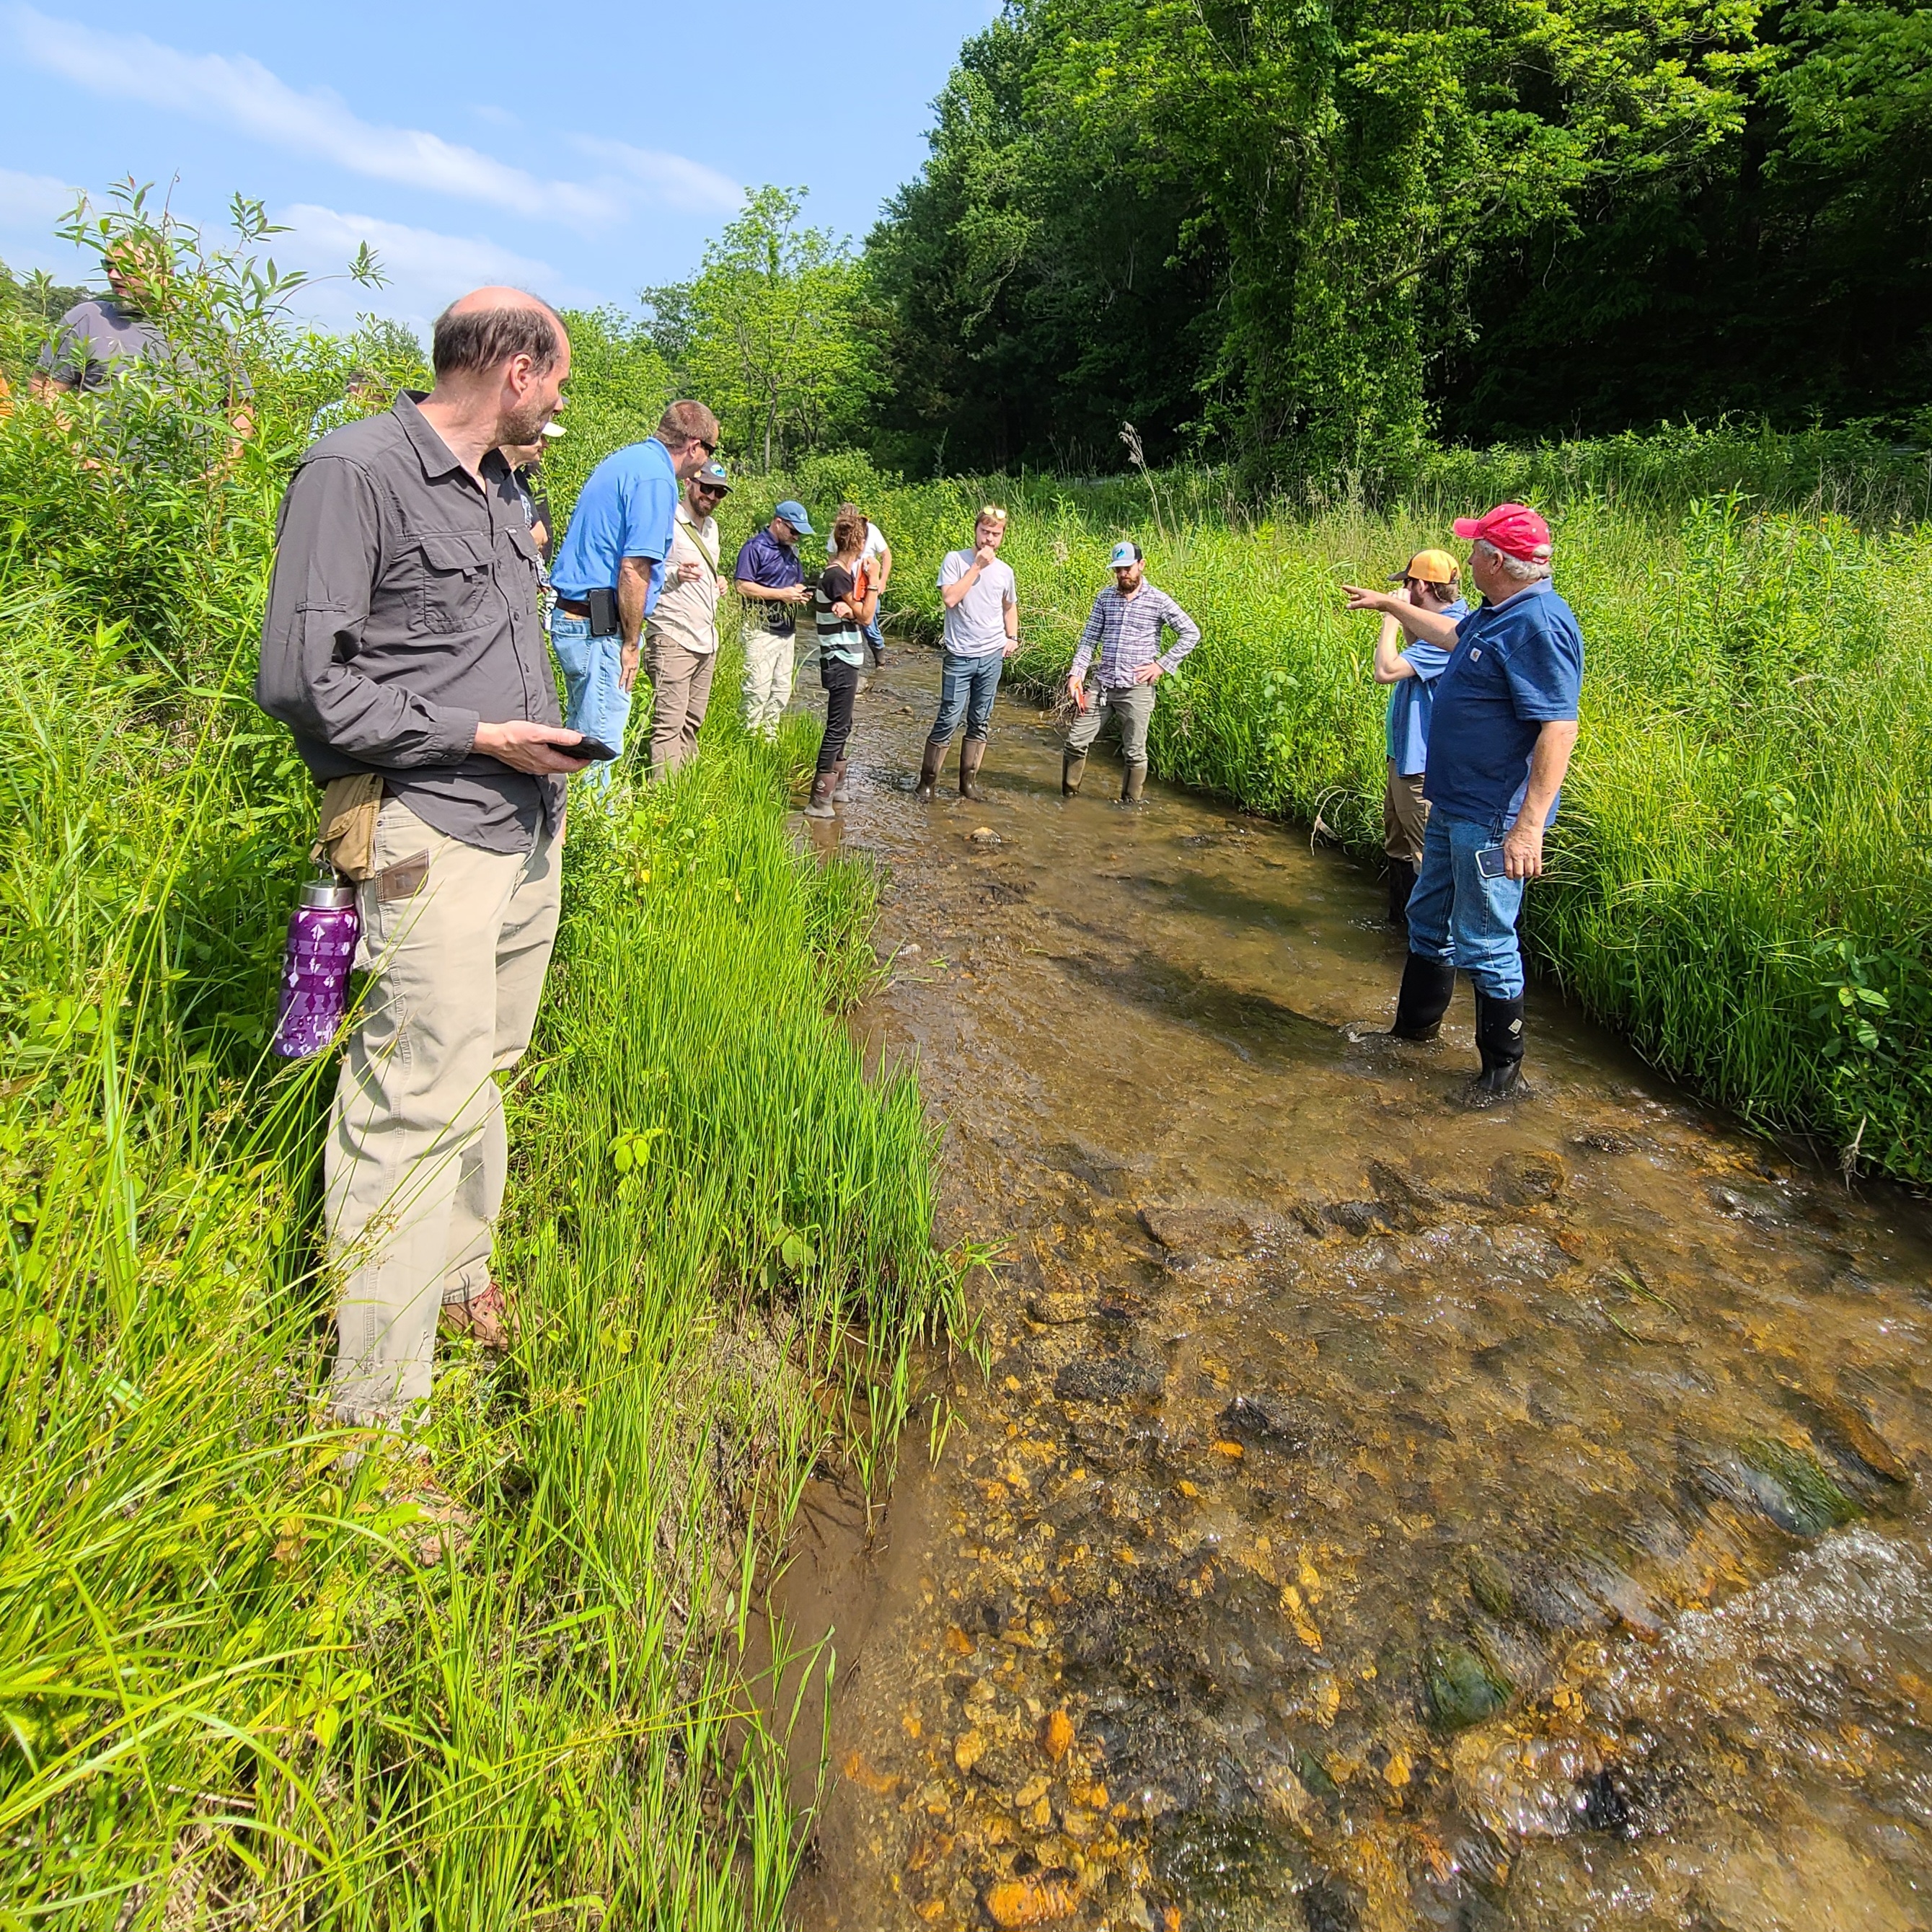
(881, 1784)
(1056, 1735)
(1029, 1901)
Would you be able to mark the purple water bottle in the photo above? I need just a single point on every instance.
(322, 932)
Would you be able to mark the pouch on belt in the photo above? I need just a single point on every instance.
(346, 825)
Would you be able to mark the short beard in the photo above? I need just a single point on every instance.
(523, 425)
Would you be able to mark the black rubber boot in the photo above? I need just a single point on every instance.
(1073, 769)
(971, 750)
(1499, 1041)
(929, 769)
(1428, 985)
(819, 804)
(1401, 882)
(1133, 781)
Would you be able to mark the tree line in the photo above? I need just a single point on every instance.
(1307, 238)
(1313, 238)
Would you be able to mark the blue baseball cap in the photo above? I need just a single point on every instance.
(1125, 553)
(792, 511)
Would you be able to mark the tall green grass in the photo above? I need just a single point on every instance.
(1740, 879)
(237, 1684)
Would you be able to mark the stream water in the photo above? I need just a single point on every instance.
(1378, 1515)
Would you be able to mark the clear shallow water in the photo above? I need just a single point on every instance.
(1377, 1515)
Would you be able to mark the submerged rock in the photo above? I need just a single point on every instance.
(1521, 1180)
(1462, 1688)
(1792, 1487)
(1268, 1418)
(1110, 1378)
(1201, 1230)
(1040, 1899)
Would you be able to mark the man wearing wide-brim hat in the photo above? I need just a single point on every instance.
(1505, 725)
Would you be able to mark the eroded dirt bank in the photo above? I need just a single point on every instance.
(1378, 1516)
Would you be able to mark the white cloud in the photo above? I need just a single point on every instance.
(236, 91)
(686, 185)
(423, 270)
(33, 201)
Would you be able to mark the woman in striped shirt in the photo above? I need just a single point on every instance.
(845, 605)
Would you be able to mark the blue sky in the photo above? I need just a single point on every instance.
(581, 153)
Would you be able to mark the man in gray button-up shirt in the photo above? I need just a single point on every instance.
(403, 646)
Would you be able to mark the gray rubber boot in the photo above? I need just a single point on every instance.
(1133, 782)
(1073, 769)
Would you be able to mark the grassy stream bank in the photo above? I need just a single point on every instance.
(236, 1687)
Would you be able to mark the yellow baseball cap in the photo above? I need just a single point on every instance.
(1432, 566)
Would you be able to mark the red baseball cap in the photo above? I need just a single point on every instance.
(1514, 529)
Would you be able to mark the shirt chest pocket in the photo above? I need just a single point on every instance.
(450, 582)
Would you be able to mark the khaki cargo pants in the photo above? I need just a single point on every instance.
(1404, 815)
(457, 939)
(680, 690)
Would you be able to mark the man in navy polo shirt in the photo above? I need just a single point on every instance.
(1499, 744)
(618, 537)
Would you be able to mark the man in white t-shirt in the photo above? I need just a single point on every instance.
(681, 635)
(982, 631)
(876, 561)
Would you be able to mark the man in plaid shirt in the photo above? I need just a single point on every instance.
(1125, 628)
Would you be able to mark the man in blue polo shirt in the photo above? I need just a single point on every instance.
(619, 536)
(1499, 745)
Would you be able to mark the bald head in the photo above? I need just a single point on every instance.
(502, 358)
(476, 334)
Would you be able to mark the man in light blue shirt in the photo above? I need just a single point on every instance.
(612, 567)
(1431, 582)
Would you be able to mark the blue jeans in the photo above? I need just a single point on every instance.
(966, 690)
(593, 703)
(1455, 913)
(875, 639)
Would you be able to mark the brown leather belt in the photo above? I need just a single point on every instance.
(575, 606)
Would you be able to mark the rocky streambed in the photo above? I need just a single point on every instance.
(1377, 1516)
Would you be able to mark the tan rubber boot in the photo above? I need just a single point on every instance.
(929, 769)
(1133, 782)
(841, 792)
(1073, 769)
(971, 750)
(819, 804)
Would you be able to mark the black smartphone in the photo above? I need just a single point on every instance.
(602, 603)
(588, 747)
(1490, 862)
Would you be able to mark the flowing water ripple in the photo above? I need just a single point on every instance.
(1377, 1516)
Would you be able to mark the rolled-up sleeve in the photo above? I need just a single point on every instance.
(1186, 633)
(329, 550)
